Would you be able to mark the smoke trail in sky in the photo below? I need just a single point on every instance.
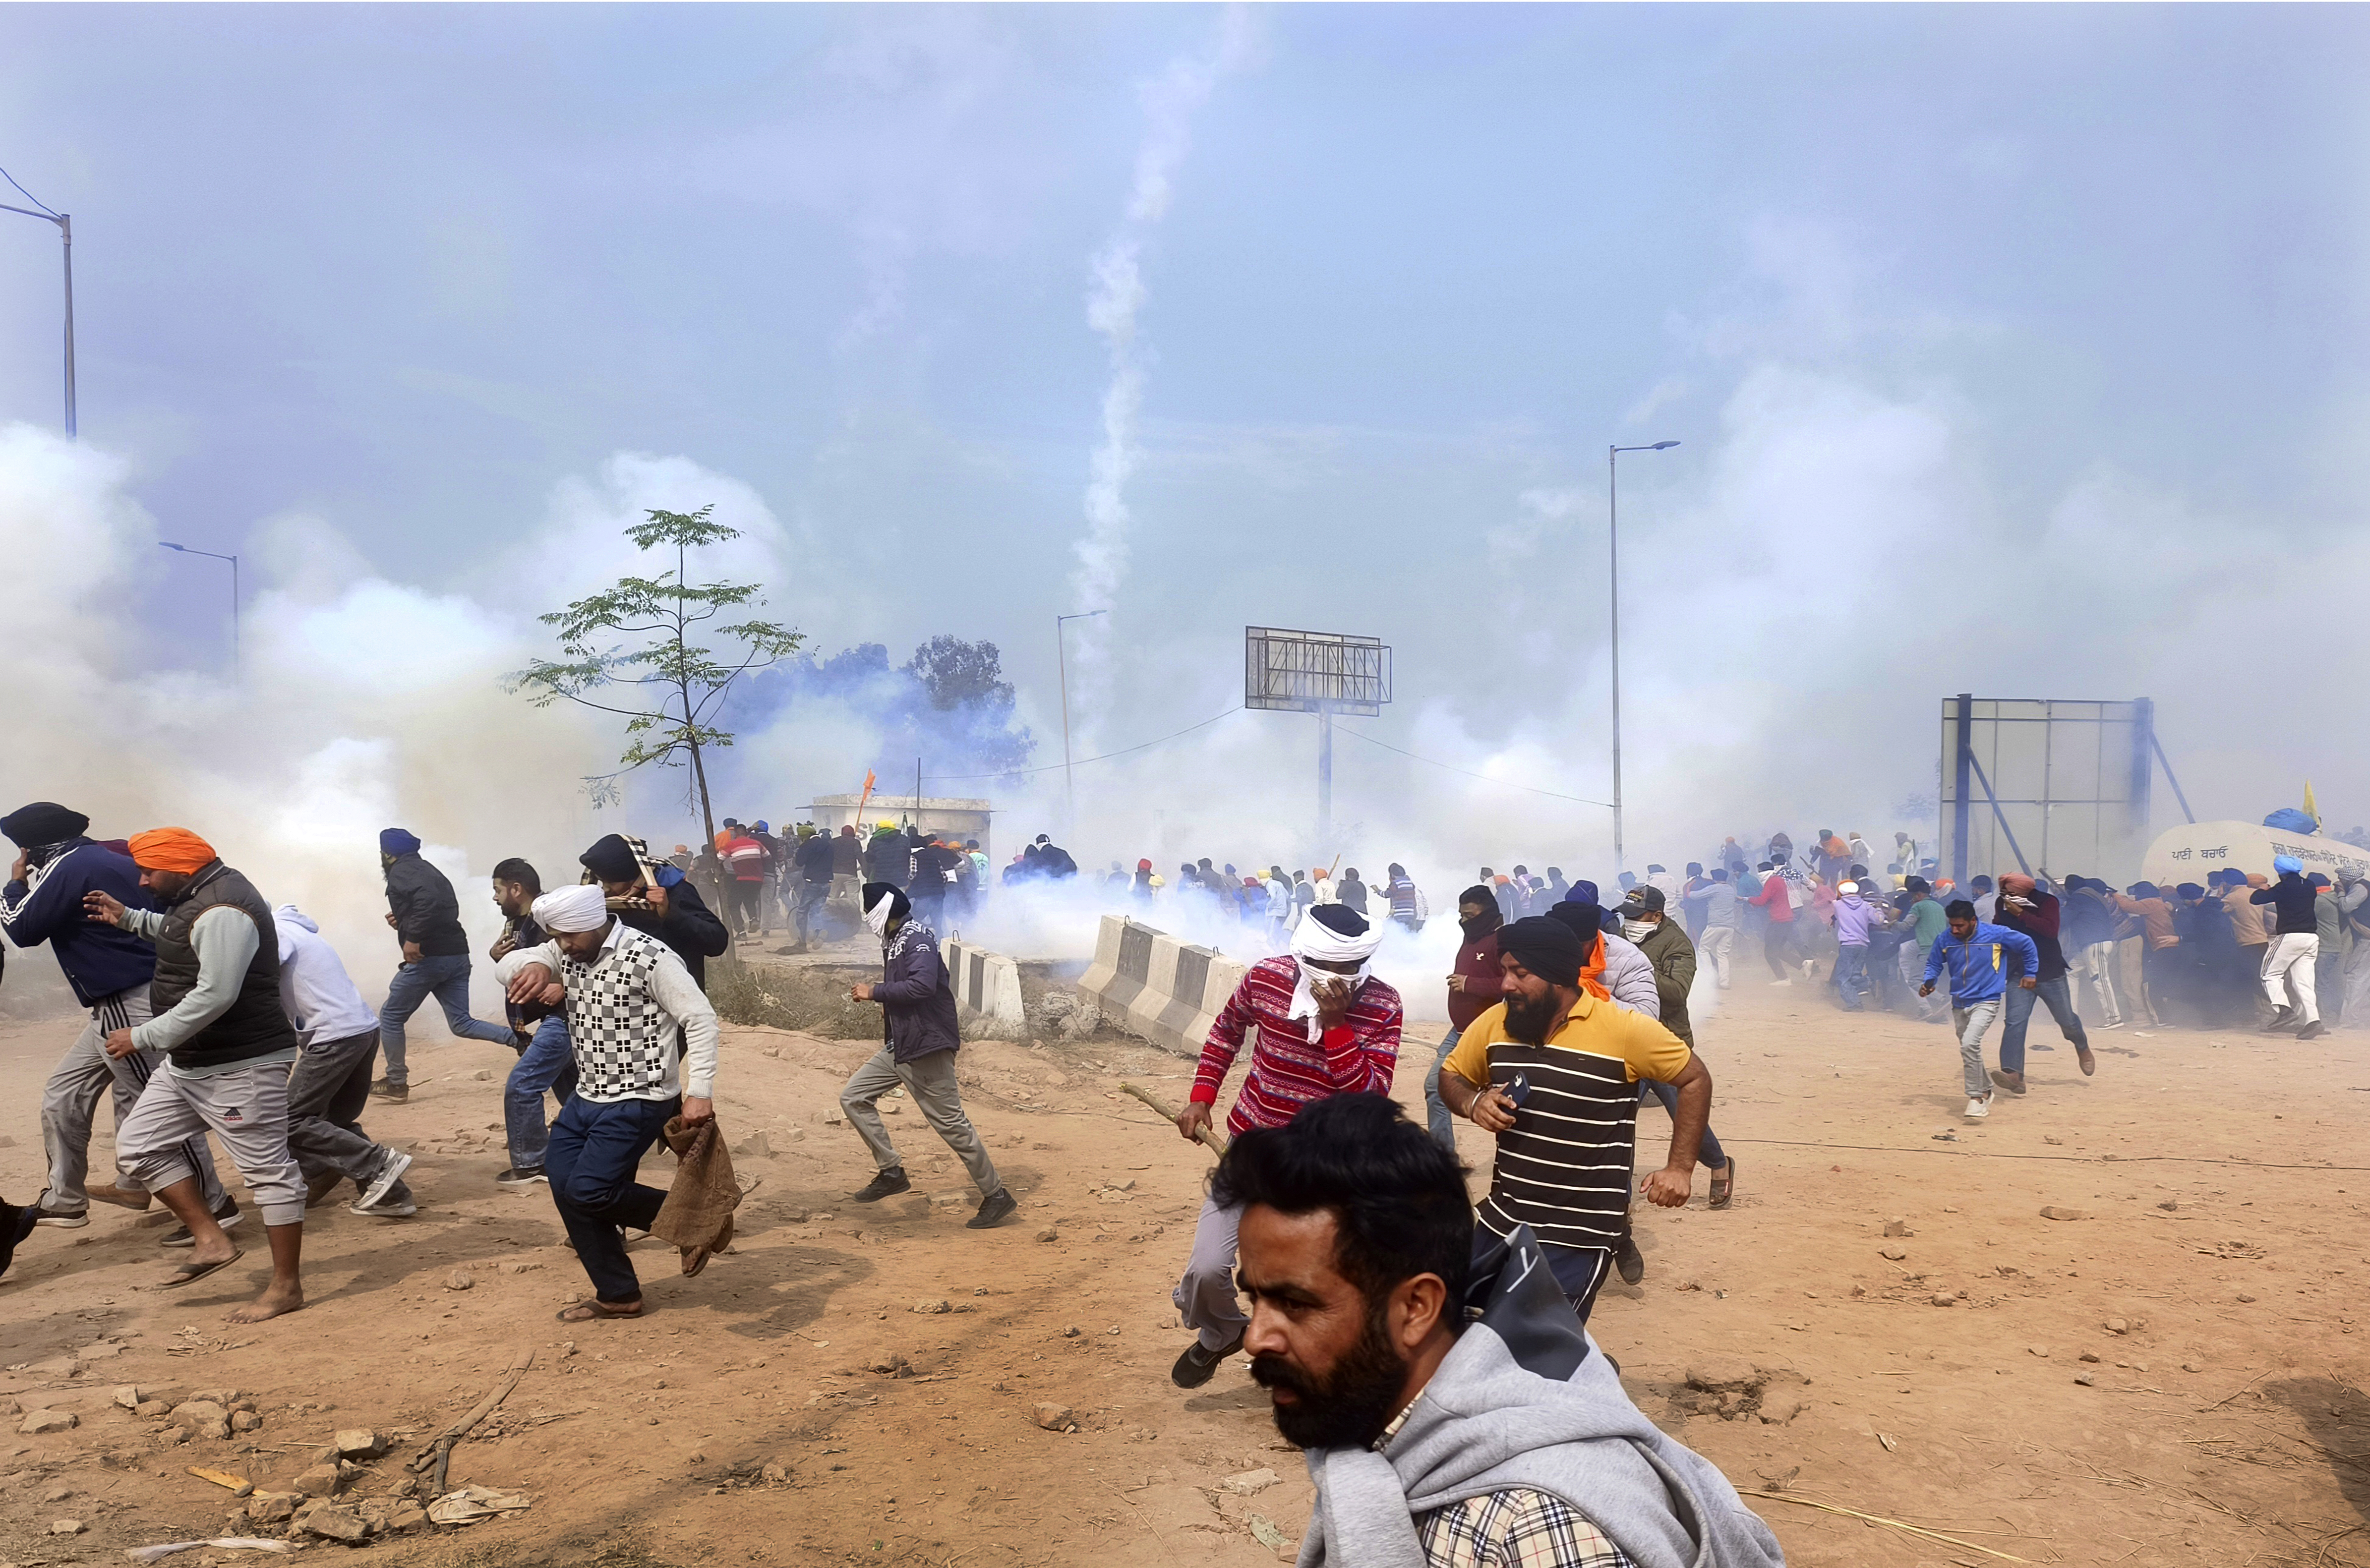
(1113, 301)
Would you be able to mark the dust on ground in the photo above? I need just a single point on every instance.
(1936, 1377)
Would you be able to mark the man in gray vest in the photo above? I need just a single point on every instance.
(227, 1046)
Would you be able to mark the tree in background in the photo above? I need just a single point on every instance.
(957, 673)
(676, 684)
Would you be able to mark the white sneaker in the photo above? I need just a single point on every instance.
(1978, 1109)
(1781, 982)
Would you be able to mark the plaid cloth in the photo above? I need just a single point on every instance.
(1520, 1529)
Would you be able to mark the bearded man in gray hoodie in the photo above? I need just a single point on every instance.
(1435, 1442)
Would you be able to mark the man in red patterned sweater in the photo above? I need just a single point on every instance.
(1325, 1027)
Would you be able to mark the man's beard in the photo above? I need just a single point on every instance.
(1529, 1021)
(1346, 1409)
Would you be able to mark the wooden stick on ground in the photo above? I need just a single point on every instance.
(1208, 1135)
(438, 1452)
(1874, 1519)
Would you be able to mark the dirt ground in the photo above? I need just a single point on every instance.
(2226, 1423)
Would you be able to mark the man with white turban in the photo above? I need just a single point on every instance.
(644, 1038)
(1326, 1027)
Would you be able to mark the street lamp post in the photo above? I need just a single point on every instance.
(186, 550)
(1062, 657)
(1612, 536)
(65, 221)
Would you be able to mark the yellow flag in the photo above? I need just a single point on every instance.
(2309, 808)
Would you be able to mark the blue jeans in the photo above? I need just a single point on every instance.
(1709, 1153)
(548, 1063)
(1435, 1110)
(446, 978)
(2018, 1012)
(590, 1161)
(1851, 975)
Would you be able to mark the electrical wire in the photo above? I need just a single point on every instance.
(1503, 783)
(2072, 1159)
(1082, 762)
(28, 195)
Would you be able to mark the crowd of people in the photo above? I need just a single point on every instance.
(211, 1012)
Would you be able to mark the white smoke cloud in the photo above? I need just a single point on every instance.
(1114, 302)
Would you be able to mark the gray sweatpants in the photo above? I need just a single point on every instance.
(1972, 1023)
(1205, 1297)
(930, 1081)
(246, 1107)
(70, 1103)
(326, 1092)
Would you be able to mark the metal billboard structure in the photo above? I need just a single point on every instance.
(2047, 783)
(1316, 672)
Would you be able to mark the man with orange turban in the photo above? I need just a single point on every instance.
(228, 1046)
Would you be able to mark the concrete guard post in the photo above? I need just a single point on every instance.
(987, 991)
(1158, 987)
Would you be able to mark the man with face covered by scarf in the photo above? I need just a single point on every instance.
(1326, 1027)
(109, 970)
(922, 1035)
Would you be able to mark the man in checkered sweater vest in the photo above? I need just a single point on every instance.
(630, 1004)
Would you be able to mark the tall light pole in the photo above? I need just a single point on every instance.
(1062, 657)
(209, 555)
(1612, 536)
(65, 234)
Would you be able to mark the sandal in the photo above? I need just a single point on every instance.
(591, 1312)
(190, 1273)
(1723, 1183)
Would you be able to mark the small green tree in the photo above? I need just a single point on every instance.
(683, 683)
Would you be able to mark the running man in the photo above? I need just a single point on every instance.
(1975, 953)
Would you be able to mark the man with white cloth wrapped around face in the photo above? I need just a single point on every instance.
(1326, 1027)
(630, 1001)
(920, 1035)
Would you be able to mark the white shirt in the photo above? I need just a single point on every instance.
(314, 989)
(681, 1004)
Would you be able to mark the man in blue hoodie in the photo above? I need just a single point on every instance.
(109, 970)
(1977, 952)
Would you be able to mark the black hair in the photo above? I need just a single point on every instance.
(1919, 884)
(1719, 874)
(1398, 1198)
(518, 871)
(1858, 871)
(1960, 909)
(1981, 882)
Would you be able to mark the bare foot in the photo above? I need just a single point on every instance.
(277, 1300)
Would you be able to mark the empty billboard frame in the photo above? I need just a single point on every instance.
(2048, 784)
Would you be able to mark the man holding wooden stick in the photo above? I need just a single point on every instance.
(1325, 1027)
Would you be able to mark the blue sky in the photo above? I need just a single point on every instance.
(1996, 336)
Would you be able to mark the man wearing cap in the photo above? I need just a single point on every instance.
(922, 1033)
(426, 915)
(1553, 1071)
(657, 901)
(228, 1045)
(2287, 971)
(1326, 1027)
(644, 1038)
(109, 970)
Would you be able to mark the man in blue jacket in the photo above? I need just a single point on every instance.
(917, 1002)
(1976, 953)
(109, 970)
(426, 915)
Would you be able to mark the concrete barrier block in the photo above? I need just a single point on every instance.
(987, 991)
(1157, 988)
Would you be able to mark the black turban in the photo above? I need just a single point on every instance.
(611, 859)
(1585, 920)
(872, 893)
(44, 823)
(1338, 919)
(1548, 948)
